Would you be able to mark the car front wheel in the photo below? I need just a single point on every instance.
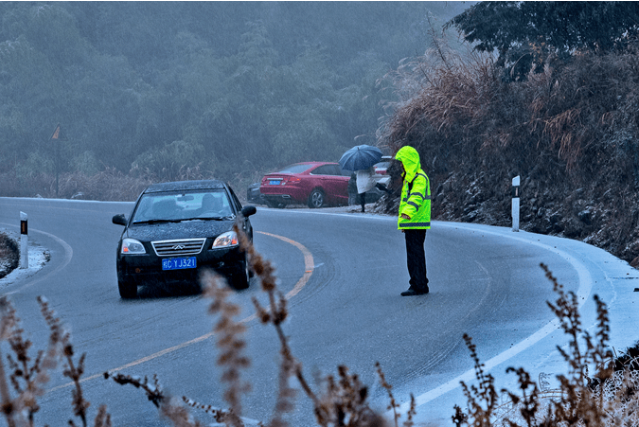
(241, 277)
(316, 199)
(127, 290)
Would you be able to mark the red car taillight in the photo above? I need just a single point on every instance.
(294, 179)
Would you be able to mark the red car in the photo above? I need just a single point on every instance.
(314, 183)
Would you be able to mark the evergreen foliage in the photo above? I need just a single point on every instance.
(231, 89)
(526, 34)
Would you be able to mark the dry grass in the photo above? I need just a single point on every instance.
(109, 184)
(106, 185)
(565, 112)
(23, 383)
(608, 398)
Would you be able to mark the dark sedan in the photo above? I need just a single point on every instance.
(253, 193)
(178, 229)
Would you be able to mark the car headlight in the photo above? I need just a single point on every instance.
(132, 247)
(226, 239)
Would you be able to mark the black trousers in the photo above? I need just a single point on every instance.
(416, 259)
(362, 200)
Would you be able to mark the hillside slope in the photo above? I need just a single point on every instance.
(570, 131)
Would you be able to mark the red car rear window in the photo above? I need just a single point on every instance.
(296, 168)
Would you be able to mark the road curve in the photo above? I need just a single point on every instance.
(345, 308)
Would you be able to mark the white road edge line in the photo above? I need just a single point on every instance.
(68, 255)
(585, 286)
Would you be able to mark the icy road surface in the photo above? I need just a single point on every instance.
(343, 273)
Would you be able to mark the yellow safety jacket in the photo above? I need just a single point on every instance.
(415, 201)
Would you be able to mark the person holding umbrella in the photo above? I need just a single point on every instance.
(364, 180)
(361, 159)
(414, 218)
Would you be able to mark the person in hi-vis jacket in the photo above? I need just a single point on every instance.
(414, 218)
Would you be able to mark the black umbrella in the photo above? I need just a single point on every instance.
(360, 157)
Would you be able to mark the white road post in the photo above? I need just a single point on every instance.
(24, 244)
(516, 181)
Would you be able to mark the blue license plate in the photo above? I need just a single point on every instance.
(274, 182)
(179, 263)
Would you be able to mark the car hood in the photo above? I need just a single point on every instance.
(179, 230)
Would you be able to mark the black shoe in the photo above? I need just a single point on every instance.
(411, 292)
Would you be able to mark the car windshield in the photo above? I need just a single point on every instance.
(183, 206)
(296, 168)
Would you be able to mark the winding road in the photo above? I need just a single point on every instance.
(343, 274)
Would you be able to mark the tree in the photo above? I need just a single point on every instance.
(171, 161)
(238, 86)
(525, 34)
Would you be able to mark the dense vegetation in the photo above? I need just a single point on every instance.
(166, 90)
(569, 129)
(526, 34)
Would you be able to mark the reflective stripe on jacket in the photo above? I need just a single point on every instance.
(415, 201)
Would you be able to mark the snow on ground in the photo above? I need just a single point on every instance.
(38, 257)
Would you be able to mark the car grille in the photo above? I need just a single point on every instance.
(178, 247)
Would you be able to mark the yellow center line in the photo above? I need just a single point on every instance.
(308, 271)
(309, 263)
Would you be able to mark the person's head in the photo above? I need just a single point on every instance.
(208, 201)
(211, 203)
(165, 208)
(409, 158)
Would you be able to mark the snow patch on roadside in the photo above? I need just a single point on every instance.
(38, 257)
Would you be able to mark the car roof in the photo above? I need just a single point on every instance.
(315, 163)
(306, 163)
(202, 184)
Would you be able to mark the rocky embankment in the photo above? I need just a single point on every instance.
(598, 214)
(9, 255)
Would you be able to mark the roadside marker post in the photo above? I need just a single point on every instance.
(516, 182)
(24, 244)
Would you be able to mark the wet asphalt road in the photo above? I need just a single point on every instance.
(348, 311)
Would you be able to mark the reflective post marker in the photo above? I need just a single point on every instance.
(24, 244)
(516, 181)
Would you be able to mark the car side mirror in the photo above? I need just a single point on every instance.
(248, 211)
(119, 219)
